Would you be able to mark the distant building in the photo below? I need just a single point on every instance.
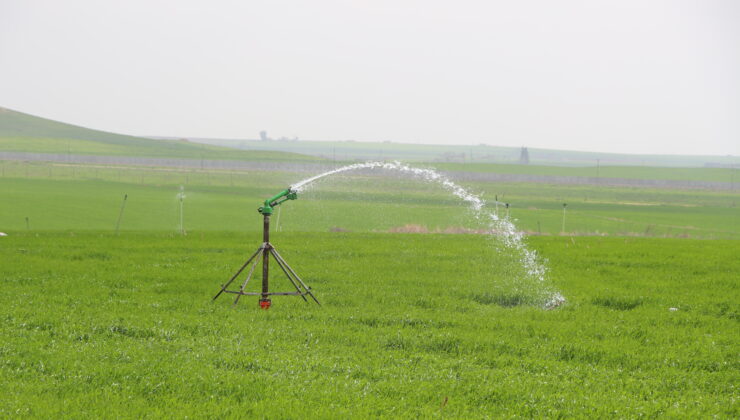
(263, 135)
(524, 157)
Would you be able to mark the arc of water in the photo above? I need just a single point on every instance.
(504, 228)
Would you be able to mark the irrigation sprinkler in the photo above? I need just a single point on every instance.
(563, 229)
(120, 214)
(181, 197)
(263, 253)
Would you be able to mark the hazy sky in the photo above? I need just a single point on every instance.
(622, 76)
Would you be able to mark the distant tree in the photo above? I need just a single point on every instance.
(263, 135)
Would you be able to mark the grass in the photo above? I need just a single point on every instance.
(143, 148)
(21, 132)
(79, 197)
(412, 325)
(97, 325)
(727, 175)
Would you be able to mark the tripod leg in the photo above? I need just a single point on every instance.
(308, 290)
(249, 276)
(237, 273)
(287, 275)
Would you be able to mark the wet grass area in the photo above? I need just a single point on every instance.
(99, 325)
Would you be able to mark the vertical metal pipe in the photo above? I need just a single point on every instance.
(120, 214)
(182, 225)
(563, 229)
(266, 256)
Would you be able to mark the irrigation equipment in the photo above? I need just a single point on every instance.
(181, 197)
(563, 229)
(263, 253)
(120, 213)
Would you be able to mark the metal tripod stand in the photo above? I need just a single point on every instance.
(263, 253)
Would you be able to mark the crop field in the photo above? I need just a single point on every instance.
(427, 324)
(727, 175)
(96, 325)
(75, 197)
(160, 148)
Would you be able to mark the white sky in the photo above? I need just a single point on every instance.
(639, 76)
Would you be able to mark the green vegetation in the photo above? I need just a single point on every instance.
(72, 197)
(412, 325)
(152, 148)
(727, 175)
(97, 325)
(21, 132)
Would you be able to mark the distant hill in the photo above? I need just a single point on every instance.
(20, 132)
(476, 153)
(18, 124)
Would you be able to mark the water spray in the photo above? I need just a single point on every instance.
(277, 223)
(263, 253)
(504, 229)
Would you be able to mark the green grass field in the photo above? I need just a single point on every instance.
(727, 175)
(151, 148)
(65, 197)
(412, 325)
(103, 326)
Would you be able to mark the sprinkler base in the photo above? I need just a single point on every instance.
(265, 304)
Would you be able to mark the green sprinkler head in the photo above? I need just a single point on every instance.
(277, 200)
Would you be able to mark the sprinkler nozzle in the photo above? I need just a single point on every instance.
(285, 195)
